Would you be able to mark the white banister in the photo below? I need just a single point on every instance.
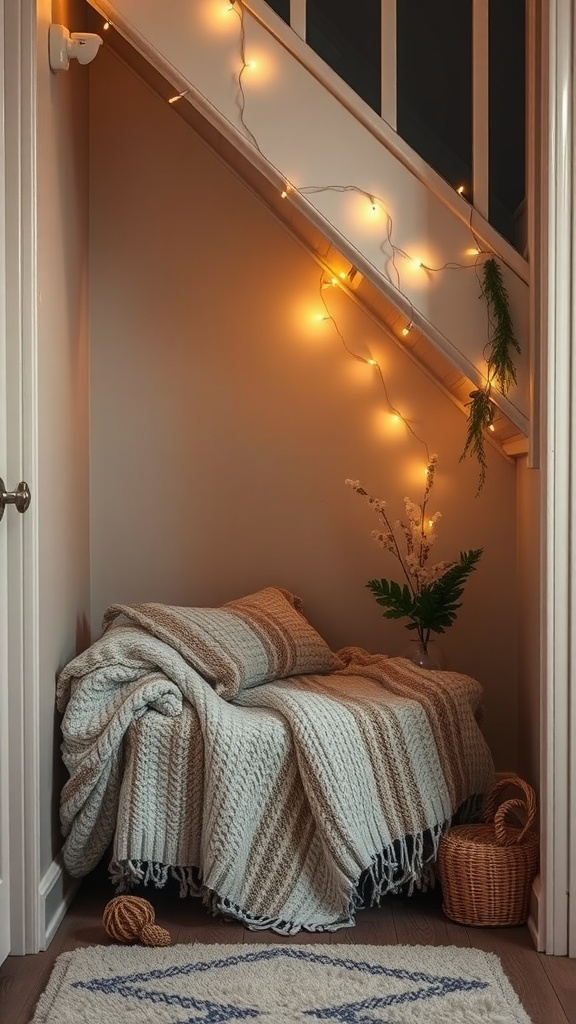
(480, 107)
(389, 106)
(298, 17)
(388, 84)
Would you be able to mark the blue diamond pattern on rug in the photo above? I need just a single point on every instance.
(140, 986)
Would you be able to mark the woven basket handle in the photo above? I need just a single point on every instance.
(496, 812)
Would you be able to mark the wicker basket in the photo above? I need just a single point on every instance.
(486, 870)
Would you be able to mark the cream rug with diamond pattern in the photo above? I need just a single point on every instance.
(278, 984)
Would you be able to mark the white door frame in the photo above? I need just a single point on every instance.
(558, 724)
(20, 63)
(4, 728)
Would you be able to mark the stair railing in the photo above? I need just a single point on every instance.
(294, 12)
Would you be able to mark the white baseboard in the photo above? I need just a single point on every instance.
(57, 890)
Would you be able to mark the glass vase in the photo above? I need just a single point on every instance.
(425, 653)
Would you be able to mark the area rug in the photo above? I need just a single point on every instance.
(278, 984)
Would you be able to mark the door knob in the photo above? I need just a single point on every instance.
(21, 497)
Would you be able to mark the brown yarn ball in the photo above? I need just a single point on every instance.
(154, 935)
(131, 919)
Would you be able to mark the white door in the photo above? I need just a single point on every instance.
(4, 790)
(17, 906)
(4, 821)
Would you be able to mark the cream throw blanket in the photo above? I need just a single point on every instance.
(289, 806)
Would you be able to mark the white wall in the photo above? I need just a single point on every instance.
(62, 498)
(224, 419)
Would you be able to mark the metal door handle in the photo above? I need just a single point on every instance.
(21, 497)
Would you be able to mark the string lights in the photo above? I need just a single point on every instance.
(245, 65)
(396, 416)
(179, 96)
(391, 252)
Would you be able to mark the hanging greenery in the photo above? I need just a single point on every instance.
(500, 364)
(480, 416)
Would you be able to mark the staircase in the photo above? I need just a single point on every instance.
(384, 225)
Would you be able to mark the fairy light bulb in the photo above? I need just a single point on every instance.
(406, 330)
(372, 362)
(179, 96)
(283, 194)
(249, 65)
(416, 263)
(106, 26)
(322, 316)
(491, 427)
(460, 190)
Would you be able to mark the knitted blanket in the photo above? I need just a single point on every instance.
(278, 805)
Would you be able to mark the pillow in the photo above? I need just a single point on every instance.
(251, 640)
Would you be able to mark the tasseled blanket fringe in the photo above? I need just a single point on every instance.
(406, 865)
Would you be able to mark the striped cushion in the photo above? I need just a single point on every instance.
(249, 641)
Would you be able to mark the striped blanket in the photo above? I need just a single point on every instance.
(287, 804)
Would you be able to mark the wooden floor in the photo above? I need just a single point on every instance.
(546, 985)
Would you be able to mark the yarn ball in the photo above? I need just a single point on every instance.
(131, 919)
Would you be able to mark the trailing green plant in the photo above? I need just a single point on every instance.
(480, 416)
(430, 595)
(500, 363)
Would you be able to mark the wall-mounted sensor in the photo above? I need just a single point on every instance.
(63, 46)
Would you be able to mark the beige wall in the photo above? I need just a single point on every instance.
(224, 420)
(62, 391)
